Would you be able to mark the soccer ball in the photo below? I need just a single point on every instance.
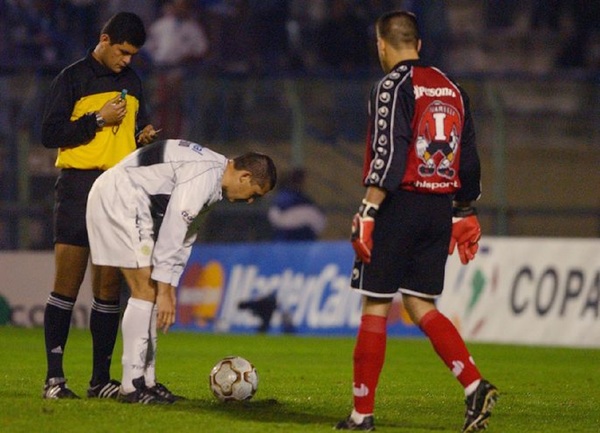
(233, 378)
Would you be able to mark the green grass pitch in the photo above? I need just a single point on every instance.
(304, 386)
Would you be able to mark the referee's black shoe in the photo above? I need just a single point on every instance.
(368, 424)
(479, 407)
(109, 389)
(56, 388)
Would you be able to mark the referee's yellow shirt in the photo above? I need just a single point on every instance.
(111, 143)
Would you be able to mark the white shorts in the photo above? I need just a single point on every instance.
(119, 223)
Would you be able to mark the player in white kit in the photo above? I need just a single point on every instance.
(138, 218)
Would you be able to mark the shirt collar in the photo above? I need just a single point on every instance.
(98, 68)
(409, 63)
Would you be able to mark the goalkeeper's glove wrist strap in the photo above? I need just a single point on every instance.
(368, 209)
(463, 211)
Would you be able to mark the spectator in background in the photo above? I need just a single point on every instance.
(176, 43)
(343, 53)
(147, 10)
(269, 34)
(586, 19)
(34, 33)
(82, 17)
(292, 214)
(229, 24)
(435, 29)
(344, 39)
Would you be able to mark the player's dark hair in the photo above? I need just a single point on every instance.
(399, 28)
(125, 27)
(260, 165)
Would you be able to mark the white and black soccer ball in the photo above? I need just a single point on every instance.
(233, 378)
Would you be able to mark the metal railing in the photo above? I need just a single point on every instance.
(317, 122)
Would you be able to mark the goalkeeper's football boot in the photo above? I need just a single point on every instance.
(162, 391)
(56, 388)
(479, 407)
(368, 424)
(142, 394)
(109, 389)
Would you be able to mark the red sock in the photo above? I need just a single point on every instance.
(450, 346)
(369, 355)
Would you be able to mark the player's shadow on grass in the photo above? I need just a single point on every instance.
(263, 410)
(272, 410)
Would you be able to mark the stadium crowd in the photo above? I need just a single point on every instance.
(276, 36)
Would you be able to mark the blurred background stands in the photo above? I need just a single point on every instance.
(272, 80)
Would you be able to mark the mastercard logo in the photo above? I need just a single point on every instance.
(199, 294)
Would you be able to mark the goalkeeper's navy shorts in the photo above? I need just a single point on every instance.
(410, 247)
(71, 191)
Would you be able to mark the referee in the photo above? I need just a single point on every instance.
(93, 111)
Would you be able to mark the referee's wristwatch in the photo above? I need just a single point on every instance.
(100, 122)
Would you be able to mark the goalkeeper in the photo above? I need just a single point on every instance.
(421, 174)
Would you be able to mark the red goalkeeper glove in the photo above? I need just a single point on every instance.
(465, 233)
(363, 225)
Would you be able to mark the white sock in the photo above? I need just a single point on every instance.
(150, 373)
(136, 322)
(358, 418)
(472, 387)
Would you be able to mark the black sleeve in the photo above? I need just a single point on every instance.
(402, 136)
(470, 169)
(392, 110)
(57, 128)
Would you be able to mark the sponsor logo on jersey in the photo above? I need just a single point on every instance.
(434, 92)
(435, 185)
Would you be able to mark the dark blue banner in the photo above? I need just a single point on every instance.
(298, 287)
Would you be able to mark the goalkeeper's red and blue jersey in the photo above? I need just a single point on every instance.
(420, 135)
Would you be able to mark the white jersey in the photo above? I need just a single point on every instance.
(166, 184)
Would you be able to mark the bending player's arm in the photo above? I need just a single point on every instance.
(363, 223)
(166, 304)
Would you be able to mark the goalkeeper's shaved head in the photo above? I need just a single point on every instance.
(399, 29)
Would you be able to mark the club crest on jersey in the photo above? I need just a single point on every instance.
(437, 140)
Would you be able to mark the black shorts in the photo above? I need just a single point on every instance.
(70, 199)
(410, 247)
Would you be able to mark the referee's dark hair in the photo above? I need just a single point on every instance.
(399, 28)
(125, 27)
